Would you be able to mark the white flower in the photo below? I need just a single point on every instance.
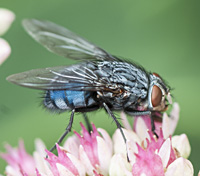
(5, 50)
(180, 167)
(181, 143)
(6, 19)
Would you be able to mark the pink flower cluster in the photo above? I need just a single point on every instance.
(96, 154)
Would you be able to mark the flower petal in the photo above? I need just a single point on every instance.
(104, 155)
(181, 143)
(6, 19)
(72, 145)
(5, 50)
(79, 166)
(107, 138)
(140, 127)
(40, 147)
(119, 166)
(142, 124)
(63, 171)
(19, 159)
(119, 145)
(147, 163)
(131, 150)
(86, 161)
(180, 166)
(89, 143)
(10, 171)
(165, 151)
(170, 123)
(41, 164)
(125, 122)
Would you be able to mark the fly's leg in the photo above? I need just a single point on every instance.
(153, 126)
(119, 126)
(87, 122)
(141, 113)
(68, 129)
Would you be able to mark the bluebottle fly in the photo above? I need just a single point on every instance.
(101, 80)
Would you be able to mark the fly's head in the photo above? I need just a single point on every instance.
(158, 94)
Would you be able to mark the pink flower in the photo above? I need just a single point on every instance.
(157, 158)
(64, 163)
(147, 154)
(140, 131)
(147, 163)
(168, 124)
(19, 162)
(160, 159)
(92, 153)
(95, 151)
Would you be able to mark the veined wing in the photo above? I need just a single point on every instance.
(75, 77)
(63, 42)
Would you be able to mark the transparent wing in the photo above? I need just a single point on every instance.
(75, 77)
(63, 42)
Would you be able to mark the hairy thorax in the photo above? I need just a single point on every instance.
(128, 82)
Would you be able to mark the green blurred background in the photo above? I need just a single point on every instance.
(163, 36)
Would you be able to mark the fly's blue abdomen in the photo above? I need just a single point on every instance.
(62, 100)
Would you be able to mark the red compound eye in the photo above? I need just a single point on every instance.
(156, 74)
(156, 96)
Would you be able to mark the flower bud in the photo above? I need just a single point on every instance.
(180, 166)
(6, 19)
(5, 50)
(181, 143)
